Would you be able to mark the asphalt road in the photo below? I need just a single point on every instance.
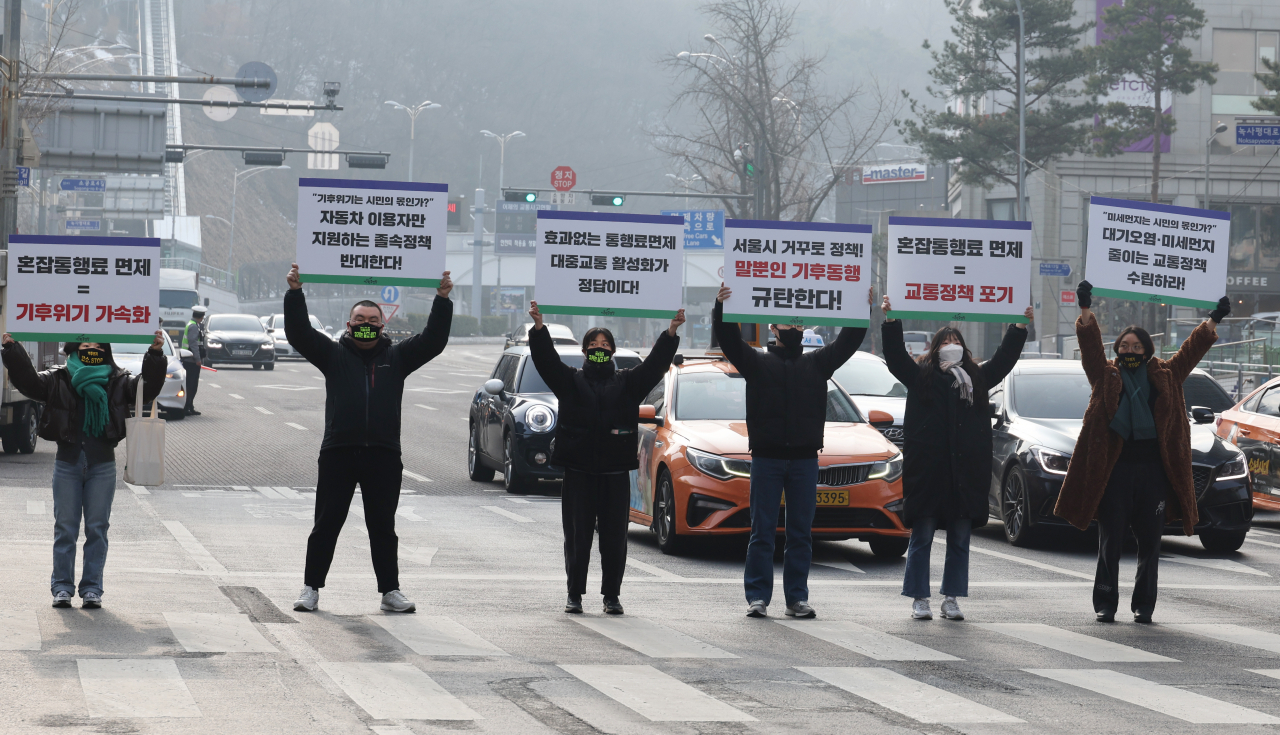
(197, 633)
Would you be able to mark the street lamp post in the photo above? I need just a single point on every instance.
(413, 122)
(1022, 112)
(231, 243)
(1208, 144)
(502, 152)
(685, 182)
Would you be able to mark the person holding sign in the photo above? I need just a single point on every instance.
(364, 382)
(786, 417)
(86, 402)
(597, 443)
(946, 471)
(1131, 468)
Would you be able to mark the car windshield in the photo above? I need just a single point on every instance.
(1201, 390)
(315, 322)
(1051, 395)
(532, 382)
(134, 348)
(869, 378)
(914, 338)
(234, 323)
(723, 397)
(172, 299)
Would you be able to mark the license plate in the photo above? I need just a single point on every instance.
(245, 353)
(829, 497)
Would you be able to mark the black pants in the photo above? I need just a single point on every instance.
(193, 382)
(587, 502)
(378, 471)
(1134, 499)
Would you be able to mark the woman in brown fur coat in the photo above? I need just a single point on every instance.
(1131, 467)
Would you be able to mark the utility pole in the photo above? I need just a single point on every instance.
(1022, 112)
(477, 254)
(10, 49)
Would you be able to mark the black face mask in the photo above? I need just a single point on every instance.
(1132, 361)
(790, 338)
(92, 356)
(366, 332)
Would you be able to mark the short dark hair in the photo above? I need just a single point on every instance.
(593, 333)
(1148, 346)
(365, 302)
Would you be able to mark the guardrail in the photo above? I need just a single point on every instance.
(1243, 377)
(207, 274)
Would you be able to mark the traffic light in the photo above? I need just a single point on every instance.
(521, 196)
(608, 200)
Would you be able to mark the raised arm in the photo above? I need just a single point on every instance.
(640, 380)
(1197, 344)
(557, 375)
(420, 349)
(31, 384)
(896, 356)
(739, 354)
(312, 344)
(1093, 356)
(994, 370)
(832, 356)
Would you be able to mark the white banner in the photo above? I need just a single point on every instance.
(609, 264)
(64, 288)
(1157, 253)
(376, 233)
(801, 273)
(894, 173)
(959, 270)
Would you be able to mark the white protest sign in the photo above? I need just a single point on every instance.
(64, 288)
(376, 233)
(800, 273)
(959, 270)
(609, 264)
(1157, 253)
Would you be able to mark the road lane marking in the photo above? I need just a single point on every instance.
(288, 492)
(408, 514)
(422, 555)
(19, 631)
(135, 687)
(299, 427)
(286, 386)
(1028, 562)
(429, 408)
(655, 695)
(1076, 644)
(263, 410)
(906, 696)
(1264, 543)
(269, 493)
(396, 691)
(35, 507)
(1172, 701)
(436, 636)
(1222, 565)
(415, 476)
(194, 548)
(651, 639)
(318, 377)
(508, 514)
(651, 569)
(213, 385)
(836, 562)
(236, 396)
(439, 391)
(509, 500)
(1229, 633)
(217, 633)
(137, 489)
(866, 641)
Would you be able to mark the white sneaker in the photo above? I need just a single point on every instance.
(308, 599)
(951, 609)
(757, 609)
(395, 601)
(920, 609)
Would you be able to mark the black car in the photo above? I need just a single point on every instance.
(1037, 413)
(238, 339)
(513, 417)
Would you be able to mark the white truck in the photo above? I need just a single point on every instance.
(182, 289)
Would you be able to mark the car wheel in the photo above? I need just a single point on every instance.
(1222, 541)
(1015, 508)
(477, 470)
(512, 482)
(889, 547)
(257, 366)
(664, 516)
(268, 366)
(26, 435)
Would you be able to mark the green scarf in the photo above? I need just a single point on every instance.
(90, 382)
(1133, 419)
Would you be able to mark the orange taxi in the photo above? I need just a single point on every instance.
(695, 465)
(1253, 425)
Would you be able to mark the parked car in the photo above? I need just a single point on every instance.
(173, 395)
(274, 325)
(513, 417)
(560, 334)
(238, 339)
(866, 378)
(917, 342)
(1037, 413)
(695, 465)
(1253, 425)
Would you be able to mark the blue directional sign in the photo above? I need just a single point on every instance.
(84, 224)
(1055, 269)
(703, 228)
(24, 176)
(390, 295)
(84, 185)
(1258, 135)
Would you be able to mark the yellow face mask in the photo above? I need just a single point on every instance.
(92, 356)
(1131, 361)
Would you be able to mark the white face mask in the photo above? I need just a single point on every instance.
(950, 353)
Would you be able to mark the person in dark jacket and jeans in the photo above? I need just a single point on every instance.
(364, 383)
(85, 404)
(597, 443)
(786, 418)
(947, 451)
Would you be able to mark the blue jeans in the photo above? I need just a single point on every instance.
(798, 478)
(81, 489)
(955, 575)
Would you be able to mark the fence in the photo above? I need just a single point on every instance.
(207, 274)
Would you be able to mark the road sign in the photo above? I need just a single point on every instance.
(563, 197)
(24, 176)
(1055, 269)
(219, 94)
(703, 228)
(299, 112)
(390, 295)
(98, 185)
(84, 224)
(323, 136)
(389, 310)
(517, 226)
(1258, 135)
(1067, 298)
(256, 70)
(563, 178)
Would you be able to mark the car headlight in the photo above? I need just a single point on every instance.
(1051, 461)
(281, 338)
(721, 468)
(1234, 469)
(888, 470)
(213, 343)
(540, 419)
(269, 345)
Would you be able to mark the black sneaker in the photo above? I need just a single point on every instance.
(573, 604)
(1142, 617)
(612, 606)
(192, 412)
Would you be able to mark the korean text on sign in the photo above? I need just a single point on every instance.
(959, 270)
(802, 273)
(83, 289)
(371, 232)
(609, 264)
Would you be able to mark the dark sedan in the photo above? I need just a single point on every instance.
(238, 339)
(1037, 412)
(513, 417)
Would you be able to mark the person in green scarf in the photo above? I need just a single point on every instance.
(85, 404)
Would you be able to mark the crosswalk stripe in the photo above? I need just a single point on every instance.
(906, 696)
(1167, 700)
(1273, 673)
(299, 427)
(263, 410)
(866, 641)
(396, 691)
(651, 569)
(1229, 633)
(436, 636)
(1222, 565)
(422, 555)
(19, 631)
(655, 695)
(217, 633)
(288, 492)
(193, 547)
(408, 514)
(1027, 562)
(651, 639)
(1076, 644)
(269, 493)
(135, 687)
(429, 408)
(504, 512)
(35, 507)
(415, 476)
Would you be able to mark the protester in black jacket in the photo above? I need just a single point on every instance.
(364, 382)
(597, 443)
(786, 417)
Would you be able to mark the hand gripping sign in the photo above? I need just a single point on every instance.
(377, 233)
(800, 273)
(1157, 253)
(960, 270)
(64, 288)
(609, 264)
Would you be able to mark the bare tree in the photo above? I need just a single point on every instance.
(764, 123)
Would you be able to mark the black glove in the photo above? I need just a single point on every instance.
(1223, 310)
(1084, 295)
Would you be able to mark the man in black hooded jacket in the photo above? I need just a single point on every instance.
(364, 382)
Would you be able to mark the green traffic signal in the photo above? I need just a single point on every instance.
(520, 196)
(608, 200)
(617, 201)
(751, 169)
(531, 197)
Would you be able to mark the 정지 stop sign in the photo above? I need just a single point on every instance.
(563, 178)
